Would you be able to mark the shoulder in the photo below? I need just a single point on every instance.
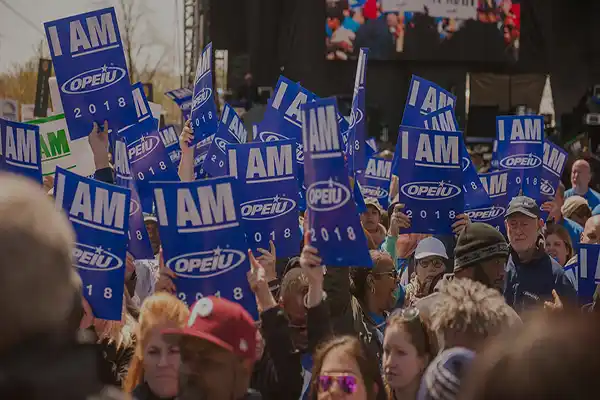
(570, 224)
(557, 269)
(568, 193)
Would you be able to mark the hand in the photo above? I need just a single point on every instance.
(99, 145)
(259, 284)
(553, 210)
(165, 277)
(186, 138)
(398, 221)
(406, 244)
(88, 316)
(557, 305)
(48, 183)
(462, 220)
(267, 261)
(311, 264)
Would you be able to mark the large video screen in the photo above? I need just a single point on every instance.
(454, 30)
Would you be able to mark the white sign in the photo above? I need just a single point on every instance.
(9, 110)
(59, 150)
(57, 106)
(402, 6)
(459, 9)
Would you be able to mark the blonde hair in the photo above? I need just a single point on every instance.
(36, 247)
(158, 309)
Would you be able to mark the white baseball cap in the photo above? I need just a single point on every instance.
(430, 247)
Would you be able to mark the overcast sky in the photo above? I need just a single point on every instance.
(161, 26)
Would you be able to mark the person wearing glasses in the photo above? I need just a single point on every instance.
(430, 257)
(407, 351)
(344, 369)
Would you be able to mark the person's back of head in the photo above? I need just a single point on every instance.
(38, 285)
(553, 356)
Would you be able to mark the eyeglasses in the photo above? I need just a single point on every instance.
(436, 263)
(347, 383)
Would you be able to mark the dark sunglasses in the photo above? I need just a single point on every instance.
(347, 383)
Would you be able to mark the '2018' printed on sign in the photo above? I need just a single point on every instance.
(91, 71)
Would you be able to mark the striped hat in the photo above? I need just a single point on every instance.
(442, 378)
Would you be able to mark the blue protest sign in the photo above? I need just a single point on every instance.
(20, 149)
(423, 98)
(148, 158)
(170, 140)
(204, 110)
(501, 186)
(231, 131)
(430, 178)
(358, 121)
(203, 240)
(268, 193)
(555, 158)
(99, 214)
(494, 163)
(474, 193)
(183, 98)
(344, 127)
(375, 180)
(200, 153)
(335, 227)
(588, 274)
(139, 243)
(91, 71)
(371, 148)
(521, 147)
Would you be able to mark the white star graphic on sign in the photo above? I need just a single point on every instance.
(441, 183)
(330, 182)
(218, 251)
(99, 250)
(104, 68)
(276, 198)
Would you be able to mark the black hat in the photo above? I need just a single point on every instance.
(523, 205)
(476, 243)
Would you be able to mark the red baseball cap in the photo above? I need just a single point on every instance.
(223, 323)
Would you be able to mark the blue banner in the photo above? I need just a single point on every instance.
(588, 273)
(430, 178)
(139, 243)
(344, 127)
(183, 98)
(99, 214)
(358, 121)
(91, 71)
(268, 193)
(205, 118)
(148, 158)
(521, 147)
(476, 197)
(375, 180)
(555, 158)
(231, 131)
(335, 227)
(371, 148)
(423, 98)
(170, 140)
(20, 151)
(501, 186)
(494, 163)
(203, 240)
(200, 152)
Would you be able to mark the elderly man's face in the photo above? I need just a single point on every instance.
(522, 232)
(581, 174)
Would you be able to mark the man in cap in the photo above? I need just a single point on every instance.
(218, 351)
(371, 221)
(533, 277)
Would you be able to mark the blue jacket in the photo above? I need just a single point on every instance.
(531, 283)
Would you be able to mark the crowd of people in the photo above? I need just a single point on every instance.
(472, 315)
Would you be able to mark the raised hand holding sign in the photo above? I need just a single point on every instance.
(334, 223)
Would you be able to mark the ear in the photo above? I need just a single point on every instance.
(541, 223)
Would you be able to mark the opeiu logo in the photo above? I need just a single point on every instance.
(374, 191)
(93, 80)
(199, 159)
(221, 144)
(521, 161)
(186, 106)
(206, 264)
(300, 153)
(355, 117)
(430, 190)
(200, 98)
(466, 161)
(95, 258)
(267, 208)
(546, 188)
(134, 207)
(327, 195)
(486, 214)
(142, 148)
(270, 136)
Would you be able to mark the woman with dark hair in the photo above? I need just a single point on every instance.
(558, 243)
(344, 369)
(407, 351)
